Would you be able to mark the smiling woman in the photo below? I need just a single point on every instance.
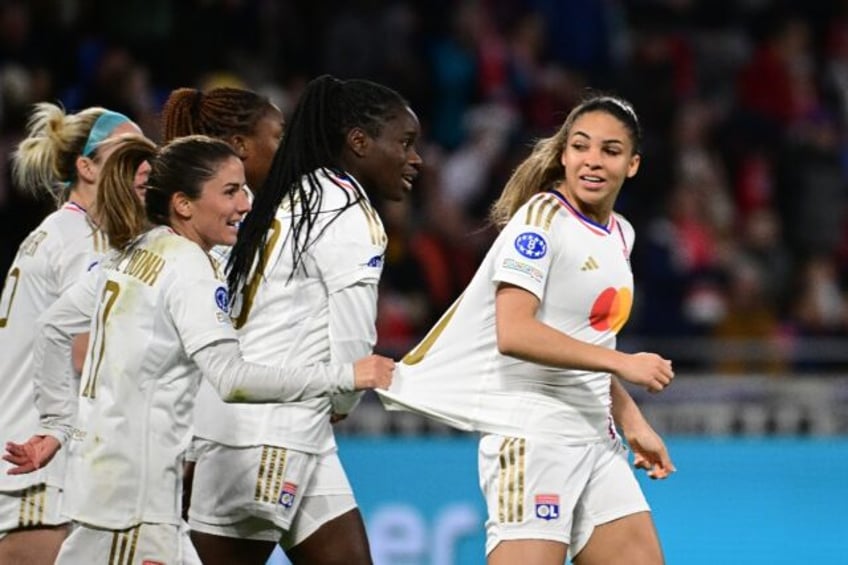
(157, 310)
(526, 356)
(305, 272)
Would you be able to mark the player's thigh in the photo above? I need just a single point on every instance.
(528, 552)
(225, 550)
(630, 540)
(341, 540)
(611, 494)
(38, 546)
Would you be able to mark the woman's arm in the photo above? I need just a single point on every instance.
(520, 334)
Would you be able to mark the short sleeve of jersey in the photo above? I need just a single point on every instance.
(524, 247)
(198, 302)
(351, 249)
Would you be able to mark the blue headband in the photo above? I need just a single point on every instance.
(103, 126)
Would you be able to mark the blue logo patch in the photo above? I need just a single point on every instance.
(531, 245)
(222, 298)
(375, 261)
(94, 264)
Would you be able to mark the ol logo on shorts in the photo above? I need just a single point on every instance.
(547, 506)
(531, 245)
(287, 494)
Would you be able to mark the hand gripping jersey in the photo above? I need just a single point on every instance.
(48, 262)
(154, 305)
(581, 274)
(282, 318)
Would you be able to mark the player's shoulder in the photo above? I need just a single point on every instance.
(180, 253)
(541, 213)
(624, 225)
(339, 189)
(67, 222)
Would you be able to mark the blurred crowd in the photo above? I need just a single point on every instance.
(741, 257)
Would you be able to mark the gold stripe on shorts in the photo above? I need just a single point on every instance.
(33, 503)
(269, 479)
(511, 480)
(124, 545)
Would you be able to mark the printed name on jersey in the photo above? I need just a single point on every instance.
(30, 244)
(287, 494)
(222, 298)
(547, 506)
(523, 268)
(376, 261)
(142, 264)
(531, 245)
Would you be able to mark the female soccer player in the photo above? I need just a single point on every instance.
(62, 155)
(305, 271)
(248, 121)
(158, 314)
(527, 357)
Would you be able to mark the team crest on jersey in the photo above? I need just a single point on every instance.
(547, 506)
(375, 261)
(531, 245)
(287, 494)
(222, 298)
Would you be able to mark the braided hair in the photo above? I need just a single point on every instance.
(315, 138)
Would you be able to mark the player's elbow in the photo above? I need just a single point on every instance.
(509, 341)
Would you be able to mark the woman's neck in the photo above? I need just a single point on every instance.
(84, 196)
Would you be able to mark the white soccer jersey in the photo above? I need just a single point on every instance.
(580, 272)
(284, 319)
(48, 262)
(151, 308)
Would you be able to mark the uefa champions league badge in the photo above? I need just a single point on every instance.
(287, 494)
(531, 245)
(547, 506)
(222, 298)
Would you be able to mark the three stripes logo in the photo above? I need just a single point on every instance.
(511, 480)
(269, 479)
(590, 264)
(124, 546)
(33, 503)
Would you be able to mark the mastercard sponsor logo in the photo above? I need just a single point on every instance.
(611, 309)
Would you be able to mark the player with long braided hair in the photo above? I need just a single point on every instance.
(304, 273)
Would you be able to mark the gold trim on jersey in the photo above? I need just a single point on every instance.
(33, 504)
(511, 480)
(100, 241)
(542, 211)
(124, 544)
(269, 479)
(249, 291)
(420, 350)
(16, 274)
(375, 226)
